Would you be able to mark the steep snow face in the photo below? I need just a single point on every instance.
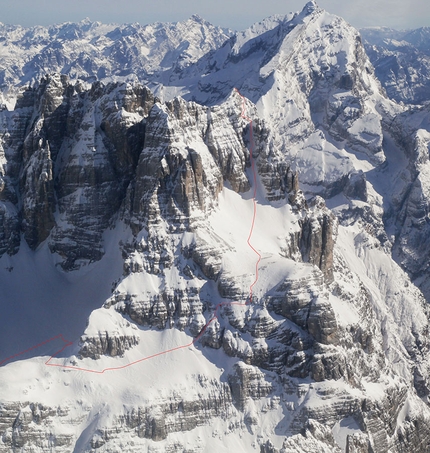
(333, 344)
(402, 61)
(236, 307)
(313, 84)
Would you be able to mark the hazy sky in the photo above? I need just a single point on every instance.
(236, 14)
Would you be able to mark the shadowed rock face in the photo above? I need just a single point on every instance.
(71, 155)
(317, 238)
(189, 152)
(333, 344)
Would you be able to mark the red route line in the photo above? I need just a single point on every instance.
(158, 354)
(67, 343)
(254, 196)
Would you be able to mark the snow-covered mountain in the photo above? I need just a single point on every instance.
(402, 61)
(92, 51)
(244, 266)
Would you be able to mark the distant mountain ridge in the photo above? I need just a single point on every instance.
(92, 51)
(402, 61)
(126, 207)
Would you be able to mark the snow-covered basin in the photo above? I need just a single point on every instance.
(39, 301)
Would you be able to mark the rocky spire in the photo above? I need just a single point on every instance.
(310, 7)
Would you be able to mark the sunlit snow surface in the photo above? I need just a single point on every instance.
(43, 301)
(101, 396)
(94, 399)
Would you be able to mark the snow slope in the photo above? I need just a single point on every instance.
(332, 353)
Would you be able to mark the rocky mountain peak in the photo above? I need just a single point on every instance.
(310, 7)
(198, 19)
(250, 232)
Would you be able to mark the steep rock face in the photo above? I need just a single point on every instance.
(96, 167)
(179, 176)
(410, 195)
(14, 126)
(157, 422)
(297, 300)
(247, 307)
(27, 426)
(39, 201)
(317, 238)
(112, 346)
(246, 382)
(182, 308)
(41, 145)
(76, 152)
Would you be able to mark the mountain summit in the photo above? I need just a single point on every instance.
(210, 241)
(310, 7)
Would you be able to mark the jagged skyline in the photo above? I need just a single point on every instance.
(143, 173)
(238, 15)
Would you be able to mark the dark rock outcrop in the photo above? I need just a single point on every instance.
(106, 344)
(317, 237)
(71, 155)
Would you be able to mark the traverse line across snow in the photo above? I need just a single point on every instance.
(60, 336)
(213, 318)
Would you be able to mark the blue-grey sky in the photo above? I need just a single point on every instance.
(235, 14)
